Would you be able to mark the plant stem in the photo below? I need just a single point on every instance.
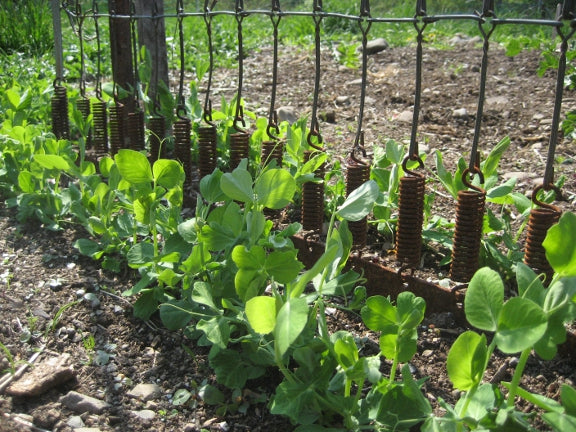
(517, 376)
(393, 369)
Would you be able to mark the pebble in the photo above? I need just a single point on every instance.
(427, 353)
(144, 414)
(460, 113)
(75, 422)
(92, 299)
(342, 100)
(145, 392)
(287, 113)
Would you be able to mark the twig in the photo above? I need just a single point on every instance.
(7, 379)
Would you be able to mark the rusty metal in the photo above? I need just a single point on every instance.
(239, 148)
(157, 128)
(182, 147)
(117, 127)
(468, 232)
(540, 220)
(313, 200)
(135, 130)
(207, 150)
(272, 151)
(100, 127)
(83, 105)
(410, 219)
(59, 104)
(357, 174)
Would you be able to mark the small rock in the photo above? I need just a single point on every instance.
(354, 82)
(376, 45)
(75, 422)
(190, 428)
(144, 414)
(46, 416)
(287, 113)
(342, 100)
(145, 392)
(44, 376)
(92, 299)
(460, 113)
(78, 402)
(87, 429)
(405, 116)
(518, 175)
(427, 353)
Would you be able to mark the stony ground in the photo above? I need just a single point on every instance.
(63, 317)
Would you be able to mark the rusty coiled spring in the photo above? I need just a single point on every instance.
(100, 129)
(157, 127)
(272, 150)
(239, 148)
(182, 149)
(410, 219)
(540, 220)
(467, 234)
(59, 104)
(135, 130)
(313, 200)
(83, 105)
(207, 150)
(356, 175)
(116, 127)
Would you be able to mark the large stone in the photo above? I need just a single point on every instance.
(376, 45)
(48, 374)
(81, 403)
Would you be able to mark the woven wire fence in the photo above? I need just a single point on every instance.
(121, 121)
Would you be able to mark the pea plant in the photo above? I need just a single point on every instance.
(532, 321)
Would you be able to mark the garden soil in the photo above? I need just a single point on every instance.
(42, 274)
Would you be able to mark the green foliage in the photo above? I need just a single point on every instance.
(25, 26)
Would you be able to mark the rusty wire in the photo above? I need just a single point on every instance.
(412, 184)
(314, 132)
(99, 106)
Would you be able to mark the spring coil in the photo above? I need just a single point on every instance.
(410, 219)
(313, 200)
(272, 150)
(207, 150)
(135, 130)
(157, 127)
(59, 104)
(182, 147)
(467, 234)
(100, 128)
(83, 105)
(356, 175)
(116, 128)
(239, 148)
(540, 220)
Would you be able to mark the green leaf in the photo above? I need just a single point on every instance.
(231, 369)
(466, 360)
(250, 259)
(409, 309)
(237, 185)
(297, 401)
(50, 161)
(261, 314)
(568, 398)
(211, 395)
(529, 284)
(216, 329)
(134, 166)
(345, 348)
(140, 254)
(360, 202)
(444, 175)
(325, 260)
(283, 266)
(291, 321)
(379, 314)
(522, 323)
(174, 314)
(87, 247)
(145, 306)
(210, 187)
(560, 245)
(484, 299)
(168, 173)
(181, 396)
(275, 188)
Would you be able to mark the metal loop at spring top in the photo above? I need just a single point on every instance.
(468, 174)
(473, 166)
(420, 26)
(239, 116)
(208, 6)
(364, 23)
(546, 187)
(549, 172)
(272, 129)
(314, 129)
(358, 146)
(416, 158)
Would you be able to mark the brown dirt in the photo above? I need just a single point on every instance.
(41, 272)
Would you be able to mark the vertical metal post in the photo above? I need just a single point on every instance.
(57, 25)
(121, 47)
